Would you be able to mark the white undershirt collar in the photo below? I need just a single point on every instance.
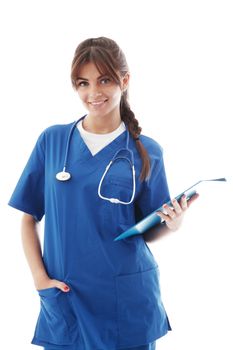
(95, 142)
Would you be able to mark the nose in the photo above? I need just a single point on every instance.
(94, 94)
(94, 91)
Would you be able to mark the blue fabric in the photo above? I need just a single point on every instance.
(114, 299)
(150, 346)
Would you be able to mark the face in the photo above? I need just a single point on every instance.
(99, 93)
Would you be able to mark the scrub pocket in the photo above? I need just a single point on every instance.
(114, 213)
(117, 186)
(57, 323)
(140, 312)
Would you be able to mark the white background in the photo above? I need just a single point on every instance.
(180, 56)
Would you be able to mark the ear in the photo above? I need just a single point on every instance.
(125, 81)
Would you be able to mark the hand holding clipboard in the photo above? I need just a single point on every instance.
(153, 219)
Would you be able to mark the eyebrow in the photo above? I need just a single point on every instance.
(101, 76)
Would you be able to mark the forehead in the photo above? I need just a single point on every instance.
(89, 71)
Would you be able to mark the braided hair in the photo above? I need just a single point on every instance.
(109, 59)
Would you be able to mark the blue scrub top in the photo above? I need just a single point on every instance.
(114, 299)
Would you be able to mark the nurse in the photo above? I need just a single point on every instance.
(96, 293)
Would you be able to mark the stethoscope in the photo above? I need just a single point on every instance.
(65, 175)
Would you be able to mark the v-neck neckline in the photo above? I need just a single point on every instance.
(86, 153)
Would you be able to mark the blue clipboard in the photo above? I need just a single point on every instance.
(153, 219)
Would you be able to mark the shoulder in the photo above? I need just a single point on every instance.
(52, 135)
(54, 132)
(57, 129)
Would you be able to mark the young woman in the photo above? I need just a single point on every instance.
(96, 293)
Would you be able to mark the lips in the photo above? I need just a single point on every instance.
(97, 103)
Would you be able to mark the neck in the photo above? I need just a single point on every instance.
(101, 125)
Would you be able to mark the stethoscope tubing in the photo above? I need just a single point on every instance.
(65, 175)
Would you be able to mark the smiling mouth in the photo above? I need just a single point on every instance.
(97, 103)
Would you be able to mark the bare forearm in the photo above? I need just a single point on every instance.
(32, 248)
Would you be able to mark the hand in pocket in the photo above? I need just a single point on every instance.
(52, 283)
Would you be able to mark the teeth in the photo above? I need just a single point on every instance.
(97, 103)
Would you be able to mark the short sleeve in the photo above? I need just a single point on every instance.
(155, 191)
(28, 195)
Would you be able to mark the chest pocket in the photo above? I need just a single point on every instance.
(117, 187)
(116, 214)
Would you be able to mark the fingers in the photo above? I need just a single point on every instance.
(176, 206)
(177, 209)
(193, 199)
(61, 285)
(168, 215)
(163, 216)
(47, 283)
(173, 214)
(183, 202)
(169, 211)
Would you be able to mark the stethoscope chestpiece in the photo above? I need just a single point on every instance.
(63, 176)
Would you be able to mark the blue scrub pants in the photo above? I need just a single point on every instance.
(150, 346)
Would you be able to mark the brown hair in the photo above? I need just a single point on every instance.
(109, 59)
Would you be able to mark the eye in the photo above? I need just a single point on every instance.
(105, 81)
(82, 83)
